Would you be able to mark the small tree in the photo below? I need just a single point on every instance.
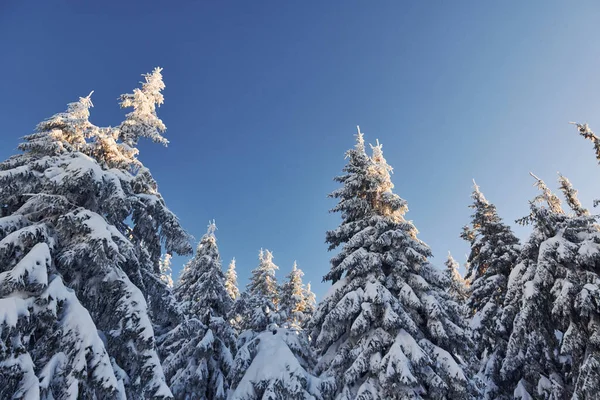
(458, 288)
(231, 281)
(293, 305)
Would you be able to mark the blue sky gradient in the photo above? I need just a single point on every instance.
(263, 97)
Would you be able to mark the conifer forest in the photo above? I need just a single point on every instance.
(89, 308)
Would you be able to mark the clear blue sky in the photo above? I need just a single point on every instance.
(263, 98)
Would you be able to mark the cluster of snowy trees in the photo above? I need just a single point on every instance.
(89, 310)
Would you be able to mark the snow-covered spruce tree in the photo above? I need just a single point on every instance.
(75, 276)
(553, 292)
(458, 288)
(262, 298)
(387, 329)
(199, 369)
(310, 304)
(292, 304)
(276, 364)
(494, 253)
(231, 284)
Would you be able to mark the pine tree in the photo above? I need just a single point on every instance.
(231, 281)
(387, 328)
(494, 253)
(77, 277)
(457, 288)
(200, 368)
(292, 303)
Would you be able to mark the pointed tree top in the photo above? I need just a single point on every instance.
(295, 266)
(478, 195)
(377, 151)
(87, 100)
(570, 194)
(550, 198)
(360, 141)
(212, 227)
(451, 262)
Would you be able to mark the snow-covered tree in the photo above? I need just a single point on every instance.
(166, 273)
(458, 288)
(143, 121)
(585, 131)
(553, 292)
(231, 281)
(292, 304)
(571, 196)
(310, 303)
(276, 364)
(387, 328)
(494, 253)
(200, 368)
(262, 295)
(80, 244)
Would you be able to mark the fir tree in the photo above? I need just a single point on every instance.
(79, 283)
(293, 305)
(387, 328)
(457, 288)
(494, 253)
(553, 352)
(310, 304)
(231, 281)
(200, 371)
(262, 295)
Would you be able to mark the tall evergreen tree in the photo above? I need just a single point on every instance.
(494, 253)
(77, 276)
(231, 281)
(553, 352)
(387, 328)
(200, 371)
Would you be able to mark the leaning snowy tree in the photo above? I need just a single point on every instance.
(387, 328)
(82, 227)
(494, 253)
(199, 369)
(554, 294)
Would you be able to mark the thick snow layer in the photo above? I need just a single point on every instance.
(274, 361)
